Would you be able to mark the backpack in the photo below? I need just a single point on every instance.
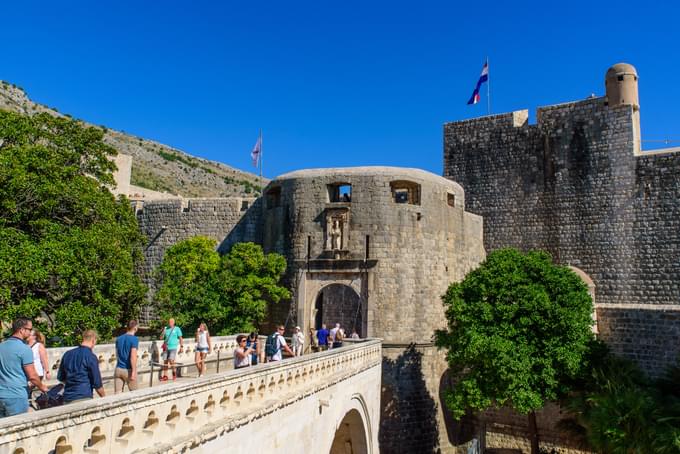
(272, 346)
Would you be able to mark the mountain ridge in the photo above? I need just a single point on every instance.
(155, 166)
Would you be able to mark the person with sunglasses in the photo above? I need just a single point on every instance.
(242, 353)
(16, 367)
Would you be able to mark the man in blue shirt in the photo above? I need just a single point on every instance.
(126, 359)
(322, 335)
(16, 368)
(79, 371)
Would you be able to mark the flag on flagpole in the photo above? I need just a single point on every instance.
(257, 150)
(474, 99)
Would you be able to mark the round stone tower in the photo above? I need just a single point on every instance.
(621, 83)
(374, 248)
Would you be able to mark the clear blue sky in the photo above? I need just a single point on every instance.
(330, 83)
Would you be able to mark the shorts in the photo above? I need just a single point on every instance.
(120, 378)
(170, 355)
(202, 349)
(10, 406)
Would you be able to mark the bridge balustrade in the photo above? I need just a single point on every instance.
(183, 415)
(223, 347)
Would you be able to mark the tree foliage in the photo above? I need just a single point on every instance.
(230, 293)
(619, 410)
(68, 248)
(518, 329)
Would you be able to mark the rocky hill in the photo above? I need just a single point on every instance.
(154, 165)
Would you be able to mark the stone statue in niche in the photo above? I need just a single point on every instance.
(336, 231)
(336, 235)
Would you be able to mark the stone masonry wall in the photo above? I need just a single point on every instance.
(227, 220)
(572, 185)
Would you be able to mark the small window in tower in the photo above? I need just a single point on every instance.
(619, 78)
(405, 192)
(340, 192)
(451, 199)
(274, 197)
(244, 205)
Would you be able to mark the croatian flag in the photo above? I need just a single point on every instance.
(474, 99)
(257, 150)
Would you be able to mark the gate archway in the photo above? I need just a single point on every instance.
(339, 303)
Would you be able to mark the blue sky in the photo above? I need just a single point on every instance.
(330, 83)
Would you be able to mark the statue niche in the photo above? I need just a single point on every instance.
(337, 230)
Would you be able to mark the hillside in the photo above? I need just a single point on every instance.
(154, 165)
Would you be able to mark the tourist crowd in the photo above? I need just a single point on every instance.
(24, 361)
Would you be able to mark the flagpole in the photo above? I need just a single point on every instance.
(261, 148)
(488, 87)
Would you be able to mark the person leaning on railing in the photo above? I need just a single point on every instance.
(16, 367)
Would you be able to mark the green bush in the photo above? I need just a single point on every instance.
(618, 410)
(230, 293)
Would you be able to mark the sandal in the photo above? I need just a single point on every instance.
(164, 378)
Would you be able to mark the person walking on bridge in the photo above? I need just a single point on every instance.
(16, 366)
(172, 341)
(79, 371)
(203, 347)
(126, 359)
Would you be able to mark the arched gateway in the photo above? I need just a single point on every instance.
(339, 303)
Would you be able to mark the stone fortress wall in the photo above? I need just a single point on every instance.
(576, 184)
(395, 241)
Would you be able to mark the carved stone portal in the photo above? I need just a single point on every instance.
(337, 229)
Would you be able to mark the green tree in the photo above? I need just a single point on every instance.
(68, 248)
(230, 293)
(518, 329)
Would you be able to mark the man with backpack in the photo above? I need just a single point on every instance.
(275, 344)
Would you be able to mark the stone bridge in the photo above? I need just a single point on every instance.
(322, 402)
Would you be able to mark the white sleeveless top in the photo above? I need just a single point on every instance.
(241, 362)
(203, 339)
(36, 360)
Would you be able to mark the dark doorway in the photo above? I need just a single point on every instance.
(339, 303)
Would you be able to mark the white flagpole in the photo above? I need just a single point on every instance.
(261, 148)
(488, 87)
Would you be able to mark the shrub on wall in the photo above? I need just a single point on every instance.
(618, 409)
(68, 248)
(230, 293)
